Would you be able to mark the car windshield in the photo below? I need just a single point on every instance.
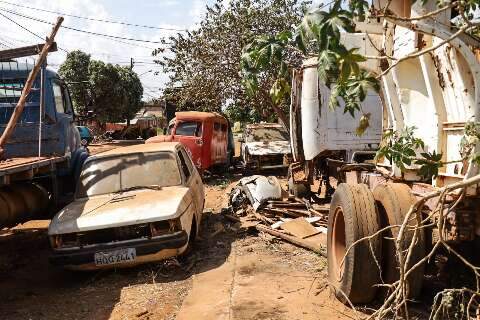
(128, 172)
(266, 134)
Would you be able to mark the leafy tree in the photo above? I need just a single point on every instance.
(75, 71)
(132, 91)
(114, 91)
(317, 34)
(107, 92)
(205, 65)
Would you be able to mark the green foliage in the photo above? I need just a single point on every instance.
(403, 149)
(430, 164)
(469, 141)
(114, 91)
(75, 71)
(206, 66)
(280, 90)
(399, 148)
(318, 33)
(363, 125)
(358, 8)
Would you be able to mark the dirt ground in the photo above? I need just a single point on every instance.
(232, 273)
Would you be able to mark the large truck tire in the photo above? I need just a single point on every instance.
(393, 202)
(353, 216)
(299, 190)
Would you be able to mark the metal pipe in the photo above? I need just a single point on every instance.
(42, 107)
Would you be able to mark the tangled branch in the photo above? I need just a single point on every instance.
(396, 303)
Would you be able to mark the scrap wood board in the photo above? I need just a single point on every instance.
(300, 228)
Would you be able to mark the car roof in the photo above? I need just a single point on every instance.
(139, 148)
(198, 115)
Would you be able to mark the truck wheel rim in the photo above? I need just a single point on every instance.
(339, 243)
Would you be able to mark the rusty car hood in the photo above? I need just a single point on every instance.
(123, 209)
(268, 147)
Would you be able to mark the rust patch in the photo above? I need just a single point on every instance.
(436, 63)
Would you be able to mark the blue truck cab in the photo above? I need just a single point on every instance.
(53, 165)
(59, 135)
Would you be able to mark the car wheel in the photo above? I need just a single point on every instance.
(191, 238)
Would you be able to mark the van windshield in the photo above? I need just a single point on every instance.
(266, 134)
(189, 128)
(126, 172)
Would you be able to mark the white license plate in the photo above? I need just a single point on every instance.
(115, 256)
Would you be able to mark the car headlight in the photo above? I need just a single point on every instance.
(164, 227)
(64, 240)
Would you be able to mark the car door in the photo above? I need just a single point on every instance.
(197, 184)
(187, 218)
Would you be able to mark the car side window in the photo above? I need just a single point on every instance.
(188, 159)
(183, 163)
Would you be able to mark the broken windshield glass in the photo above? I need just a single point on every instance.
(266, 134)
(128, 172)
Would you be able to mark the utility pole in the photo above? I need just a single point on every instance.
(131, 63)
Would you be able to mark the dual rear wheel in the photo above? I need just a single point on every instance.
(357, 268)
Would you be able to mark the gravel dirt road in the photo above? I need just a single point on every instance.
(233, 273)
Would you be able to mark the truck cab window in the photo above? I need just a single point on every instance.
(58, 96)
(66, 100)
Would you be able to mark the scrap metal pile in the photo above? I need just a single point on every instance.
(293, 219)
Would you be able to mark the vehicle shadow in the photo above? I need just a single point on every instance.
(34, 289)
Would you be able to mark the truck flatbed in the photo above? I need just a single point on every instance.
(27, 166)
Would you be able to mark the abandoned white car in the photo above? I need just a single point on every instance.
(265, 146)
(132, 205)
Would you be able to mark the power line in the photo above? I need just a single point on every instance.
(83, 31)
(92, 19)
(36, 35)
(115, 40)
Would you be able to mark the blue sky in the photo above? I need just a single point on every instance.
(177, 14)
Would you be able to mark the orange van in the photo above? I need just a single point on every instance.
(206, 135)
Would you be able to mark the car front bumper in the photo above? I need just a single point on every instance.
(155, 248)
(270, 161)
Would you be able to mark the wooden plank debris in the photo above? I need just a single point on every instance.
(315, 247)
(300, 228)
(9, 54)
